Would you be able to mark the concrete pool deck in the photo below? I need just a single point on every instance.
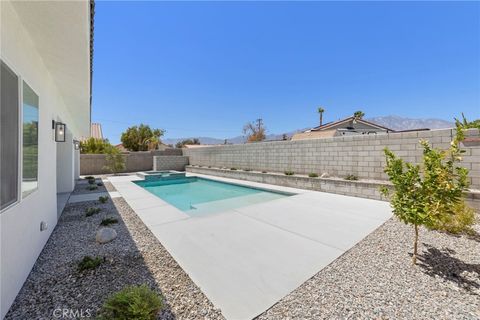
(247, 259)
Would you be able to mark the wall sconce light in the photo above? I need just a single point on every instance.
(60, 131)
(76, 144)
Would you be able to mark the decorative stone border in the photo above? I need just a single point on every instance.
(358, 188)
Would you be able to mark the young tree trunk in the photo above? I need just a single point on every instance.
(415, 246)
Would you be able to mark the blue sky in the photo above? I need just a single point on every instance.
(207, 68)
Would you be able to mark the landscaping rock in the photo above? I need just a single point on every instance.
(105, 235)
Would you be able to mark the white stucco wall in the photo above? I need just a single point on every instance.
(21, 238)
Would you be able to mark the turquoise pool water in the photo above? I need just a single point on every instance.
(197, 196)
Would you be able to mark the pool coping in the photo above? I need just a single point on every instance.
(142, 201)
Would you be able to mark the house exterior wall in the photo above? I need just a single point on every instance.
(21, 238)
(361, 155)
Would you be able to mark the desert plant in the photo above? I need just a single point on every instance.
(320, 111)
(358, 114)
(91, 211)
(289, 173)
(115, 161)
(108, 221)
(88, 263)
(431, 194)
(92, 187)
(313, 175)
(133, 302)
(351, 177)
(91, 181)
(103, 199)
(89, 177)
(233, 169)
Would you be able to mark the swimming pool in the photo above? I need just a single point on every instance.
(195, 195)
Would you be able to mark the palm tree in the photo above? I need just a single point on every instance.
(321, 111)
(359, 114)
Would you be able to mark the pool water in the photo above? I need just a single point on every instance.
(195, 195)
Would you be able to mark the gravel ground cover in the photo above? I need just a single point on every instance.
(373, 280)
(376, 280)
(134, 257)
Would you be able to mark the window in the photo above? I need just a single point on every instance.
(30, 141)
(9, 108)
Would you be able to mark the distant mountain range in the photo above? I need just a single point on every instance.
(401, 123)
(392, 122)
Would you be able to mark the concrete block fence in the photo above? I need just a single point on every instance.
(364, 189)
(177, 163)
(134, 161)
(362, 156)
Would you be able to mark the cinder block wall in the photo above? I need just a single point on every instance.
(177, 163)
(338, 156)
(134, 161)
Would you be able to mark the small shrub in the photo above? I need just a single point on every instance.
(431, 194)
(88, 263)
(91, 181)
(91, 211)
(289, 173)
(89, 177)
(264, 171)
(133, 302)
(351, 177)
(209, 166)
(313, 175)
(115, 161)
(233, 169)
(247, 169)
(108, 221)
(92, 187)
(103, 199)
(100, 184)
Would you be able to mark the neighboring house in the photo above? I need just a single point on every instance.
(347, 126)
(121, 148)
(96, 131)
(45, 55)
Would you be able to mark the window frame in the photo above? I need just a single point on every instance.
(33, 191)
(20, 80)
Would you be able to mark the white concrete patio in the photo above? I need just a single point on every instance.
(247, 259)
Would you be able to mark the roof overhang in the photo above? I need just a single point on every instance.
(61, 32)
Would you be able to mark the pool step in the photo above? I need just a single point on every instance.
(232, 203)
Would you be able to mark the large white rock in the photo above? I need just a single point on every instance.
(105, 235)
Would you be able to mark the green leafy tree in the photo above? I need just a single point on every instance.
(431, 194)
(255, 131)
(94, 145)
(182, 143)
(115, 161)
(141, 138)
(320, 112)
(358, 114)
